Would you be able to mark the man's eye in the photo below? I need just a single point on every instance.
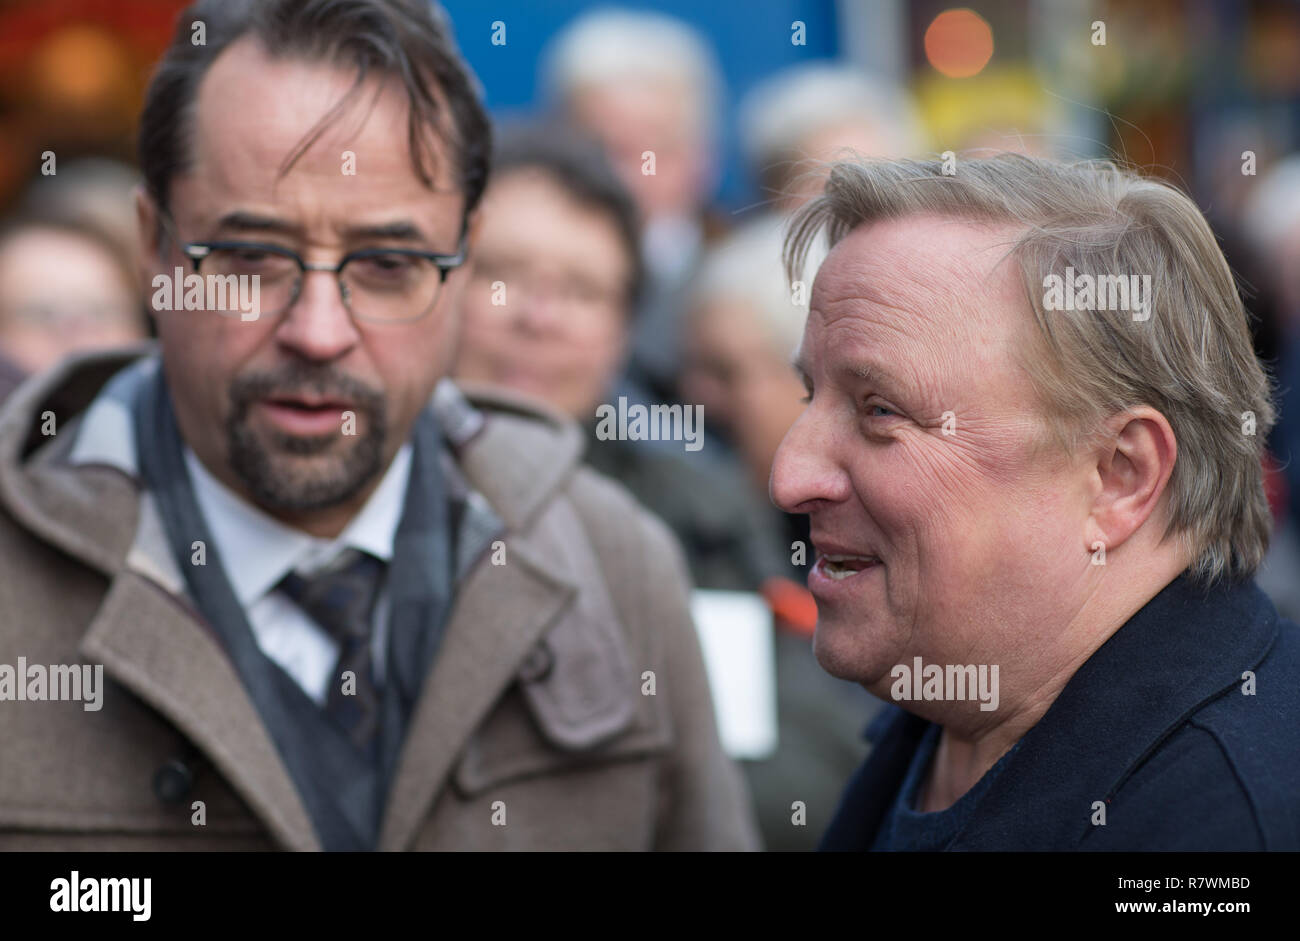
(880, 411)
(251, 257)
(249, 260)
(388, 263)
(385, 269)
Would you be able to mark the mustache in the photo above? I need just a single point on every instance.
(300, 378)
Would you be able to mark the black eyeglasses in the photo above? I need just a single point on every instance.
(379, 285)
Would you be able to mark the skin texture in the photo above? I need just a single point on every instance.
(252, 111)
(62, 293)
(985, 539)
(744, 384)
(561, 333)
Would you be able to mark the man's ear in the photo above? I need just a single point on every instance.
(151, 239)
(1133, 466)
(473, 226)
(147, 218)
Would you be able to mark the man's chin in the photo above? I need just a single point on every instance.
(302, 474)
(840, 651)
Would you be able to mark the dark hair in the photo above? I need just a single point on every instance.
(578, 165)
(408, 39)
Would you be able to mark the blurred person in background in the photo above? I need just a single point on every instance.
(65, 286)
(97, 190)
(743, 325)
(648, 87)
(558, 247)
(548, 313)
(11, 376)
(1269, 225)
(794, 123)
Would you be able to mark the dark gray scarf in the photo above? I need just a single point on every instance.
(344, 792)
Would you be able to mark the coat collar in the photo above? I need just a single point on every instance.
(1184, 648)
(152, 641)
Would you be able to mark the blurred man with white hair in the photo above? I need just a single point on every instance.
(802, 117)
(647, 87)
(1270, 224)
(743, 324)
(1271, 219)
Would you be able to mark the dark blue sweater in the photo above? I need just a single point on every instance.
(1155, 724)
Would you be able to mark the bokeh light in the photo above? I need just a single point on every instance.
(959, 43)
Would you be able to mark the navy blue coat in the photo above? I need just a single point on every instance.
(1155, 723)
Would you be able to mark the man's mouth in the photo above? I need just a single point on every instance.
(307, 415)
(309, 404)
(840, 567)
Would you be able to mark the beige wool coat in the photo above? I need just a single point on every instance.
(536, 728)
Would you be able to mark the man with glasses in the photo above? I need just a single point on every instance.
(339, 604)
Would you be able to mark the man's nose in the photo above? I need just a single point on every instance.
(539, 309)
(317, 325)
(807, 470)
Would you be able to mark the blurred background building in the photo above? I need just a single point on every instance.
(1177, 85)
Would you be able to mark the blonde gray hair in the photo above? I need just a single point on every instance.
(1192, 360)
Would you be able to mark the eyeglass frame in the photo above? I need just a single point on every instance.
(445, 263)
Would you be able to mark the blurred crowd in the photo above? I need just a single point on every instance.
(625, 280)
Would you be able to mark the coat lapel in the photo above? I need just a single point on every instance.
(145, 633)
(500, 613)
(1185, 647)
(152, 641)
(871, 790)
(153, 645)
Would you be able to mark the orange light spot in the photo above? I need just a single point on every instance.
(959, 43)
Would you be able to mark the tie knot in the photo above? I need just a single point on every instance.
(340, 597)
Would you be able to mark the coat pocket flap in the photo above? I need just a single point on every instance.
(579, 684)
(512, 744)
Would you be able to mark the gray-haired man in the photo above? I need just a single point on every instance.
(1036, 520)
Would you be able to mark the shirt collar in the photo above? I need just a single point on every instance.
(257, 550)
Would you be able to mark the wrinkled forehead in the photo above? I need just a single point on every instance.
(933, 280)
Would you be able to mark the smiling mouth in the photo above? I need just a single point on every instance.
(840, 567)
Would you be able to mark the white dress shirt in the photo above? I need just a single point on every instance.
(257, 551)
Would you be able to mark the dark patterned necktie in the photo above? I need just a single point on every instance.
(341, 599)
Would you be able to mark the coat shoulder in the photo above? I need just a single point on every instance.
(540, 449)
(1228, 778)
(1183, 798)
(1253, 725)
(620, 527)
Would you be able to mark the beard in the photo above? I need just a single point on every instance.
(302, 473)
